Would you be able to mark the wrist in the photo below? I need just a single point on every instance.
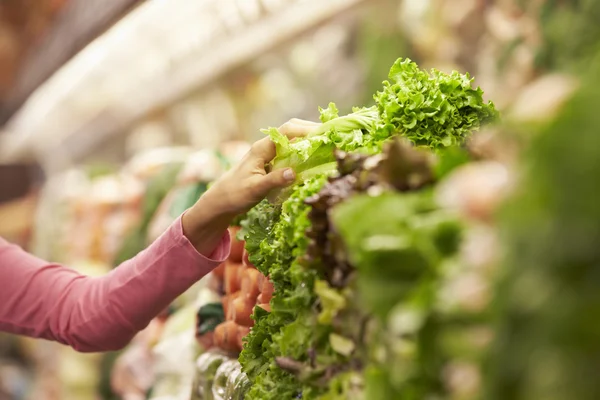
(205, 223)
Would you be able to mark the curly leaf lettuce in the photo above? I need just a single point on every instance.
(431, 109)
(276, 240)
(313, 155)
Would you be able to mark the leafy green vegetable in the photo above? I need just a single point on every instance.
(257, 228)
(435, 109)
(315, 309)
(324, 231)
(313, 155)
(341, 345)
(331, 302)
(399, 243)
(275, 239)
(237, 221)
(345, 386)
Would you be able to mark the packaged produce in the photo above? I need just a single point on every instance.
(206, 368)
(237, 384)
(229, 382)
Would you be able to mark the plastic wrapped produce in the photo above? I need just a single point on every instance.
(230, 383)
(175, 353)
(206, 368)
(237, 384)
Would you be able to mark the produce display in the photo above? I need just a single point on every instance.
(394, 267)
(342, 263)
(160, 361)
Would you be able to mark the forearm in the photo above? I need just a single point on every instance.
(97, 314)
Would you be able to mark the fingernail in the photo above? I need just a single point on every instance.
(289, 175)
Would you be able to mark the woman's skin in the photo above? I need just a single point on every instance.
(238, 190)
(50, 301)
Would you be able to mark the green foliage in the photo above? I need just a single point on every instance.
(400, 244)
(396, 241)
(435, 110)
(275, 240)
(547, 345)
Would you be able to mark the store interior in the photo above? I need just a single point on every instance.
(459, 267)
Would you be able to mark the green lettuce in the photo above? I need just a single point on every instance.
(431, 109)
(399, 244)
(332, 252)
(313, 155)
(276, 241)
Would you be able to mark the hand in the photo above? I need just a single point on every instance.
(239, 189)
(247, 183)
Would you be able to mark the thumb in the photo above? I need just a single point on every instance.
(277, 179)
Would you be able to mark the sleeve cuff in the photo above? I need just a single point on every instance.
(218, 255)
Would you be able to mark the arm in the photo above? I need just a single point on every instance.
(50, 301)
(97, 314)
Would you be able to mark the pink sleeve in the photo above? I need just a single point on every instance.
(50, 301)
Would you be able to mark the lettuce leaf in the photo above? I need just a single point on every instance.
(314, 155)
(431, 109)
(276, 241)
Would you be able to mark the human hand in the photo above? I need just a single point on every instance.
(242, 187)
(248, 182)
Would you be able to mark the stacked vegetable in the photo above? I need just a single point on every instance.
(245, 287)
(363, 213)
(222, 326)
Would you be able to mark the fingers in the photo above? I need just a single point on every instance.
(276, 179)
(264, 149)
(297, 127)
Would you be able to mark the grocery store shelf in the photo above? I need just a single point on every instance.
(155, 55)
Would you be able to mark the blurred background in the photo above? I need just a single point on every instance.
(98, 96)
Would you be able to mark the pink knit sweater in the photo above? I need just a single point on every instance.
(50, 301)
